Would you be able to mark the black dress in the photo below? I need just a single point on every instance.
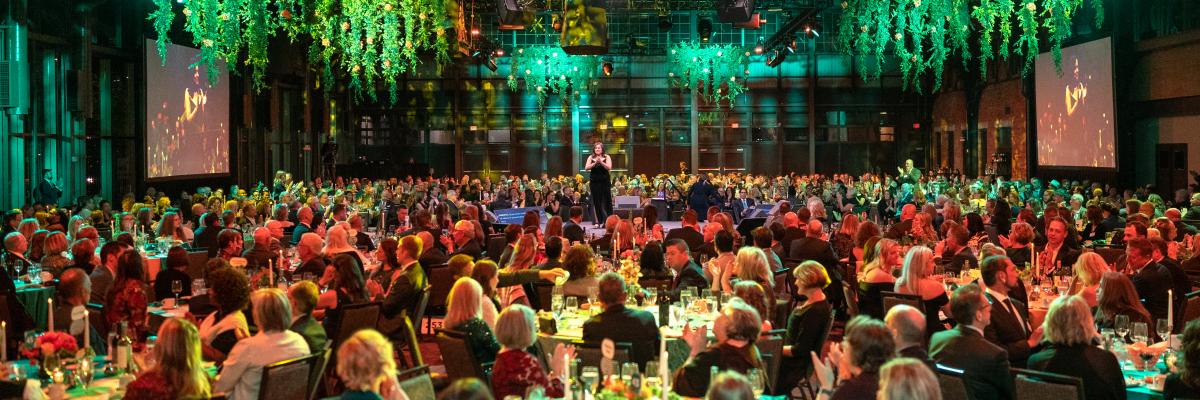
(480, 341)
(932, 321)
(807, 329)
(601, 188)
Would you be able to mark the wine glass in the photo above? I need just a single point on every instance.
(685, 298)
(1162, 329)
(590, 377)
(176, 288)
(1141, 332)
(572, 304)
(1121, 324)
(85, 372)
(593, 292)
(756, 381)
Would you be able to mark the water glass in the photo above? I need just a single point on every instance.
(685, 298)
(35, 273)
(677, 317)
(1122, 326)
(1141, 332)
(1162, 329)
(556, 304)
(572, 304)
(590, 377)
(651, 368)
(757, 383)
(651, 296)
(628, 371)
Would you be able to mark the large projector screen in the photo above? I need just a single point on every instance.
(187, 121)
(1075, 110)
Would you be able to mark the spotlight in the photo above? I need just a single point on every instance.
(664, 22)
(775, 58)
(758, 47)
(499, 53)
(607, 67)
(474, 31)
(705, 30)
(490, 63)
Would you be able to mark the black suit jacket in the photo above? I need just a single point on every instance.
(692, 237)
(1008, 332)
(471, 249)
(574, 232)
(739, 208)
(962, 260)
(312, 331)
(1180, 283)
(433, 256)
(1152, 282)
(1099, 369)
(405, 292)
(790, 235)
(899, 230)
(621, 324)
(206, 238)
(700, 196)
(1066, 255)
(814, 249)
(691, 276)
(985, 365)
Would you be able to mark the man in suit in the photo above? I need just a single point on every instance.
(430, 255)
(102, 277)
(908, 330)
(462, 241)
(621, 324)
(791, 231)
(304, 218)
(985, 366)
(1009, 326)
(1057, 252)
(741, 204)
(1182, 229)
(956, 251)
(700, 196)
(573, 229)
(1179, 278)
(206, 236)
(408, 282)
(814, 247)
(689, 231)
(1151, 279)
(554, 249)
(303, 298)
(362, 240)
(905, 225)
(687, 273)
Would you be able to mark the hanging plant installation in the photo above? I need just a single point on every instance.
(716, 71)
(368, 40)
(547, 69)
(923, 34)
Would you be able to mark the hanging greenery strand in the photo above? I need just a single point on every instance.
(368, 40)
(546, 69)
(716, 71)
(923, 34)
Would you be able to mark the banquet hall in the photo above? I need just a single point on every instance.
(599, 199)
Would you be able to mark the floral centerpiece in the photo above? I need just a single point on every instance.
(631, 272)
(57, 344)
(616, 389)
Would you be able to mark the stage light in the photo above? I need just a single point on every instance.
(499, 53)
(758, 47)
(775, 58)
(474, 31)
(607, 67)
(705, 30)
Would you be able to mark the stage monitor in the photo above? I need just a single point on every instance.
(187, 121)
(1075, 120)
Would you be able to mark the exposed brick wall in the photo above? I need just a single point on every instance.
(1002, 105)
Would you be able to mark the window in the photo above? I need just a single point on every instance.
(887, 134)
(366, 131)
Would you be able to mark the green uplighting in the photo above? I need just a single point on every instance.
(547, 69)
(717, 71)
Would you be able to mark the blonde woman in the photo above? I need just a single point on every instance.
(366, 366)
(464, 313)
(918, 265)
(1088, 269)
(1069, 331)
(750, 264)
(522, 259)
(179, 372)
(876, 277)
(907, 379)
(922, 229)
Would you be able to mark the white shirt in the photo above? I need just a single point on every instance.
(242, 373)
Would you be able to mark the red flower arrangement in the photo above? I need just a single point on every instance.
(58, 343)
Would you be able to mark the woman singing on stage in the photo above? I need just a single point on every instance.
(598, 165)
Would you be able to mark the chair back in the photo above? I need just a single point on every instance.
(314, 376)
(545, 291)
(1192, 311)
(1037, 385)
(851, 295)
(459, 360)
(355, 317)
(951, 382)
(783, 310)
(590, 356)
(197, 262)
(279, 379)
(770, 346)
(417, 383)
(495, 246)
(891, 299)
(440, 282)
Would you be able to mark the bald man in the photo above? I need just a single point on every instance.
(71, 297)
(431, 255)
(304, 216)
(261, 254)
(908, 330)
(906, 216)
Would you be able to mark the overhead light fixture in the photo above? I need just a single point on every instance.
(607, 67)
(705, 30)
(759, 46)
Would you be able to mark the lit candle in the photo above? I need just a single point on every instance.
(3, 340)
(50, 314)
(87, 330)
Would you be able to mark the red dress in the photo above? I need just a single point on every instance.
(150, 386)
(515, 371)
(127, 302)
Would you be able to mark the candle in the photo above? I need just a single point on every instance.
(270, 273)
(87, 330)
(3, 340)
(50, 314)
(1171, 309)
(1037, 268)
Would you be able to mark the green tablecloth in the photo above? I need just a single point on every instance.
(1141, 392)
(34, 301)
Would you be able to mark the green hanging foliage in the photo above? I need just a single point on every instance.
(547, 69)
(923, 34)
(714, 70)
(371, 41)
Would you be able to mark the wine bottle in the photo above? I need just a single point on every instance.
(124, 351)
